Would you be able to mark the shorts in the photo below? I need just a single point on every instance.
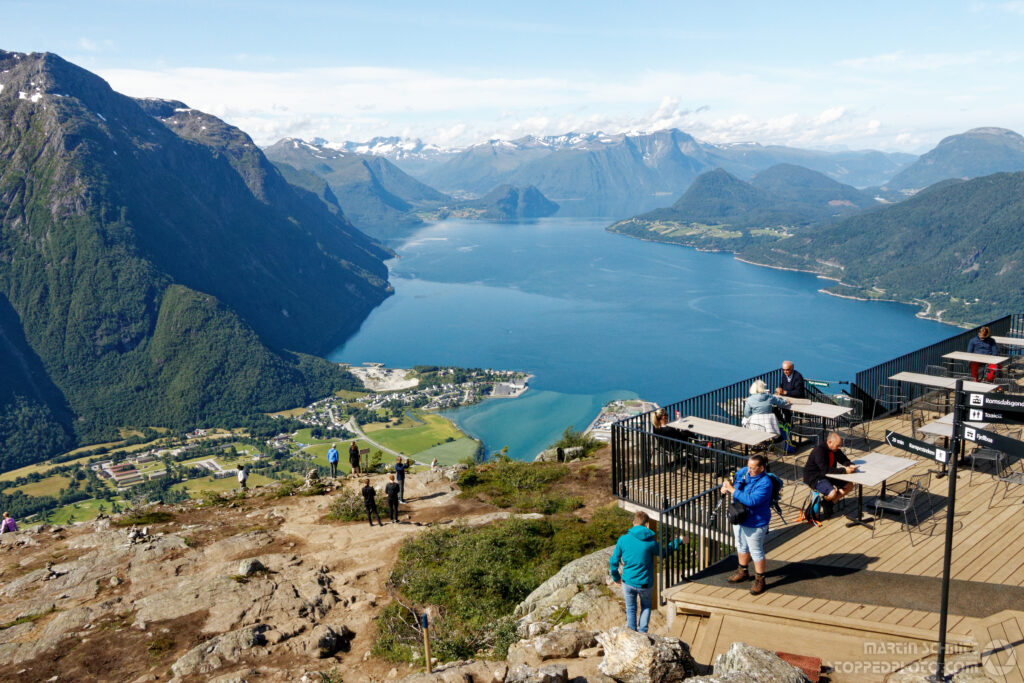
(750, 539)
(826, 486)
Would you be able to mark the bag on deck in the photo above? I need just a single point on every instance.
(818, 510)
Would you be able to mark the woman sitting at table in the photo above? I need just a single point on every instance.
(659, 420)
(757, 411)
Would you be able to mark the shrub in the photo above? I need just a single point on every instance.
(525, 486)
(476, 577)
(348, 506)
(571, 438)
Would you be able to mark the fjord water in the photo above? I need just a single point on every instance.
(597, 316)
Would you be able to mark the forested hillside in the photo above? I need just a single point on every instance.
(155, 268)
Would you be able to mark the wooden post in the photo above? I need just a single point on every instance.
(426, 640)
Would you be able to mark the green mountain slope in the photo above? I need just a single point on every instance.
(978, 152)
(374, 193)
(957, 247)
(157, 265)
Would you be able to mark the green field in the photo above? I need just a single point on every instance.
(449, 453)
(82, 511)
(410, 439)
(50, 486)
(195, 487)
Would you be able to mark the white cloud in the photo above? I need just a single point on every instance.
(858, 107)
(90, 45)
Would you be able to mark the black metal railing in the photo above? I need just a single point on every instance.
(867, 384)
(658, 472)
(695, 534)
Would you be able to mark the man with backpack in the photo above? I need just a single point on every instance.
(827, 458)
(754, 488)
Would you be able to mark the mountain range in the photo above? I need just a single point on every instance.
(155, 267)
(976, 153)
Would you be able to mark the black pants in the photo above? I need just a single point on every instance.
(334, 470)
(370, 512)
(393, 509)
(401, 490)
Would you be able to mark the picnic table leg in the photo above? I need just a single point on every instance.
(861, 519)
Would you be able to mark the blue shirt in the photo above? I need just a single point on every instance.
(400, 471)
(636, 549)
(987, 347)
(756, 494)
(332, 455)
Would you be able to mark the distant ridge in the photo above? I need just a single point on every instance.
(976, 153)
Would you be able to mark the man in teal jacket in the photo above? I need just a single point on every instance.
(635, 550)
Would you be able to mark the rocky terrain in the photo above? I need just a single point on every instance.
(267, 587)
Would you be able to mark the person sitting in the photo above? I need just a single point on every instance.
(757, 411)
(8, 525)
(792, 382)
(985, 345)
(827, 458)
(659, 420)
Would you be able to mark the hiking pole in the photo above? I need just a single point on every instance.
(713, 517)
(426, 640)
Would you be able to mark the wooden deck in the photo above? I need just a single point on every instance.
(896, 625)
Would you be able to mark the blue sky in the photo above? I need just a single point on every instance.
(894, 76)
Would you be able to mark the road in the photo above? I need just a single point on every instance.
(353, 427)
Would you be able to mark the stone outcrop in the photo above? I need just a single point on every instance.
(220, 650)
(549, 673)
(560, 644)
(631, 657)
(763, 665)
(589, 570)
(568, 455)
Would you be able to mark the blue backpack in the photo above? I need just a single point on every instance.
(818, 510)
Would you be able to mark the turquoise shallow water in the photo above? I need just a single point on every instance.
(596, 316)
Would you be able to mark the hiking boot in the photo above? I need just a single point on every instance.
(758, 586)
(739, 575)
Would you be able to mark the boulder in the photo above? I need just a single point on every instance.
(760, 664)
(250, 566)
(325, 641)
(574, 453)
(560, 644)
(550, 455)
(549, 673)
(588, 570)
(632, 657)
(224, 649)
(460, 672)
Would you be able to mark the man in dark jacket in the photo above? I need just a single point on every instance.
(400, 468)
(826, 459)
(985, 345)
(392, 492)
(353, 458)
(792, 383)
(370, 501)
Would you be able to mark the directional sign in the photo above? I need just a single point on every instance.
(996, 408)
(817, 382)
(983, 437)
(915, 446)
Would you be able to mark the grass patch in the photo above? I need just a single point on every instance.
(82, 511)
(144, 518)
(28, 618)
(409, 438)
(476, 577)
(450, 453)
(196, 488)
(160, 646)
(50, 486)
(524, 486)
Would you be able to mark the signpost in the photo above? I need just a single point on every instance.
(916, 446)
(954, 448)
(1000, 408)
(998, 442)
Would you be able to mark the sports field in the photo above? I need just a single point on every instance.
(410, 438)
(195, 487)
(449, 453)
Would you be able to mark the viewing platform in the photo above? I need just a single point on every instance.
(864, 598)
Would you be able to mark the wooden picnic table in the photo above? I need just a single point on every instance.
(944, 426)
(983, 358)
(720, 430)
(872, 469)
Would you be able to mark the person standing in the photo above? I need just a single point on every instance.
(8, 525)
(753, 488)
(985, 345)
(370, 502)
(635, 550)
(243, 477)
(392, 492)
(400, 467)
(332, 460)
(353, 458)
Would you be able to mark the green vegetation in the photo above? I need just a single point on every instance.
(348, 507)
(144, 518)
(160, 646)
(409, 438)
(83, 511)
(523, 486)
(572, 438)
(28, 618)
(50, 486)
(117, 304)
(452, 452)
(196, 487)
(476, 577)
